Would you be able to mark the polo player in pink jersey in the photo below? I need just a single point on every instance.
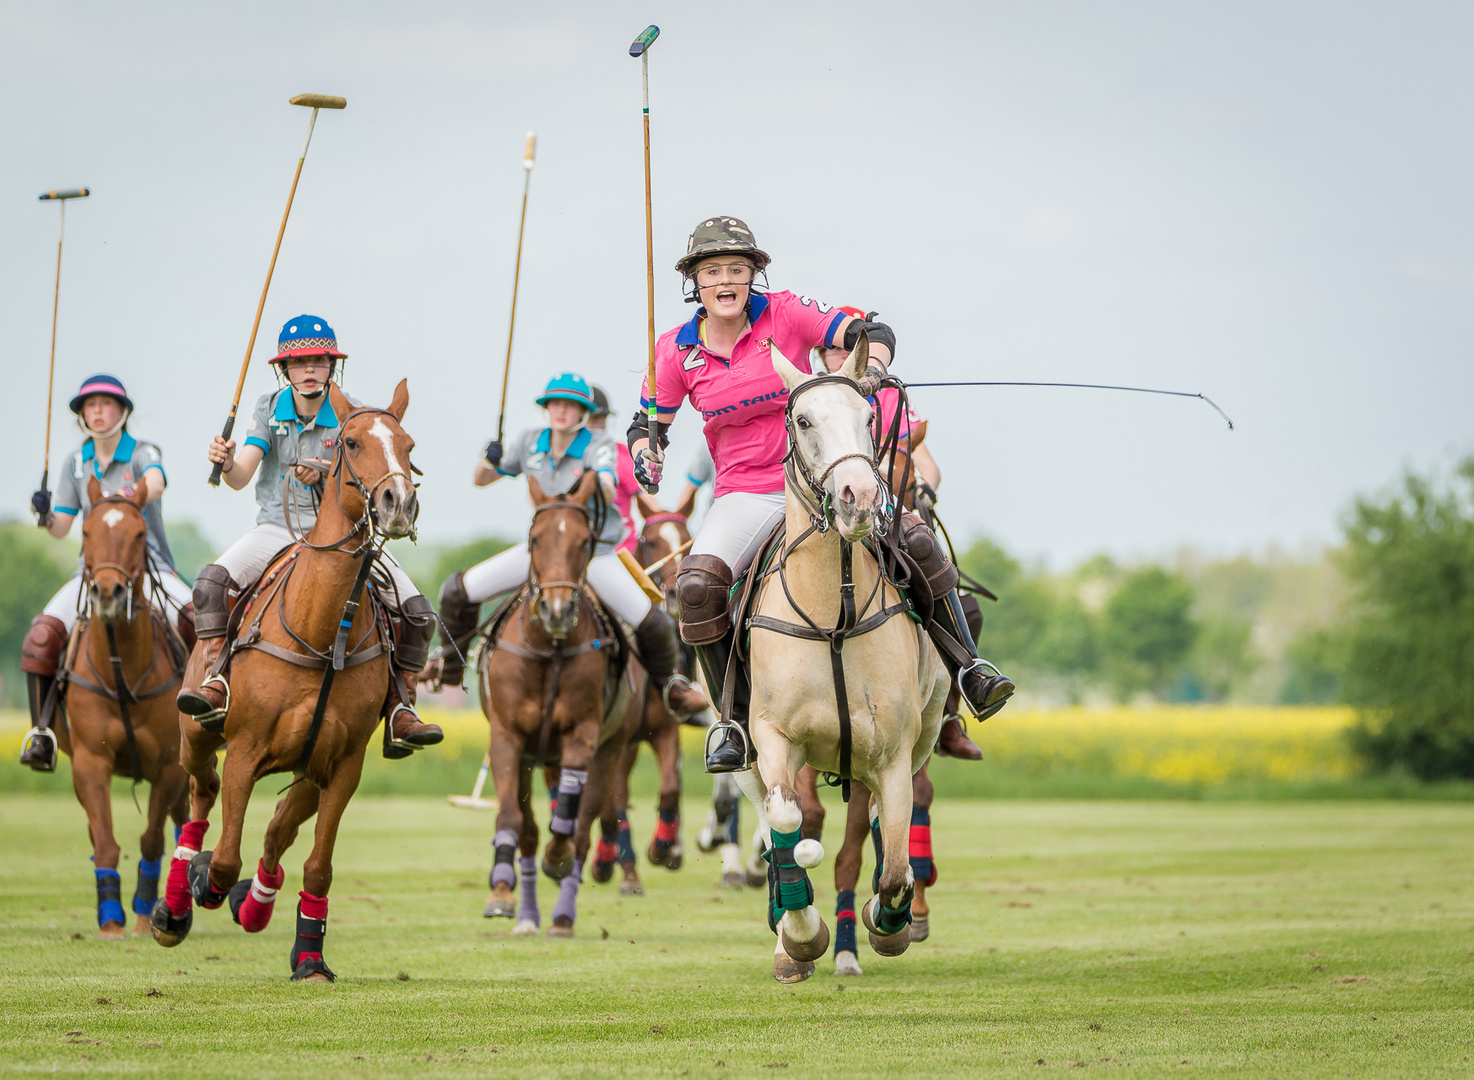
(720, 361)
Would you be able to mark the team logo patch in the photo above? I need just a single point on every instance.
(809, 301)
(694, 359)
(329, 443)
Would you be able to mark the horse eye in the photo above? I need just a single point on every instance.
(351, 444)
(803, 423)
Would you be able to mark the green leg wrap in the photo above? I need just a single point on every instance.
(893, 920)
(879, 854)
(790, 888)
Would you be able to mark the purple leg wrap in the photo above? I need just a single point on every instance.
(506, 849)
(570, 794)
(527, 908)
(568, 893)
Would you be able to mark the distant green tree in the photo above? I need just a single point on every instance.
(1222, 656)
(1148, 631)
(192, 549)
(462, 557)
(1315, 659)
(1409, 639)
(30, 574)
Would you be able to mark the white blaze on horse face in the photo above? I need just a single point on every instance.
(112, 517)
(562, 526)
(381, 431)
(672, 538)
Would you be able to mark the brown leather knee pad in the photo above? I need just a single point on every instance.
(41, 652)
(931, 556)
(212, 588)
(703, 587)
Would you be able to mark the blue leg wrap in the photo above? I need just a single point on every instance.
(570, 794)
(147, 893)
(729, 830)
(502, 872)
(625, 842)
(109, 896)
(844, 922)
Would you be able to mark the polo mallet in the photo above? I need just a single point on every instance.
(641, 574)
(313, 102)
(527, 155)
(641, 48)
(474, 801)
(62, 197)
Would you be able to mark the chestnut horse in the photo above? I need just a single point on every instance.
(312, 714)
(123, 660)
(553, 694)
(662, 533)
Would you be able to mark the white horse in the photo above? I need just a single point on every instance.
(894, 681)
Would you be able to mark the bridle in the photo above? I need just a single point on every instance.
(536, 586)
(131, 577)
(816, 500)
(642, 552)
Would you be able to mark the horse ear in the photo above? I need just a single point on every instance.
(584, 490)
(401, 400)
(535, 491)
(94, 490)
(918, 434)
(859, 359)
(648, 505)
(792, 377)
(688, 504)
(341, 405)
(140, 496)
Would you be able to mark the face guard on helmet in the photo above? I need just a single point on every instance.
(722, 236)
(308, 335)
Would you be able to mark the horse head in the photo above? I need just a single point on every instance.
(373, 457)
(830, 440)
(560, 544)
(114, 547)
(662, 532)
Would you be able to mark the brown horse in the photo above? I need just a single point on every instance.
(123, 660)
(662, 533)
(292, 708)
(553, 693)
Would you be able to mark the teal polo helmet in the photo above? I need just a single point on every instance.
(567, 386)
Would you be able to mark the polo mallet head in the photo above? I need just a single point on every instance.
(647, 37)
(69, 193)
(319, 101)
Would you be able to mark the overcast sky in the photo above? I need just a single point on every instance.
(1267, 203)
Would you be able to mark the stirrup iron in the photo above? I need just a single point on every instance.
(36, 735)
(214, 720)
(722, 725)
(990, 670)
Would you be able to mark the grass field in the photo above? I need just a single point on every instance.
(1148, 937)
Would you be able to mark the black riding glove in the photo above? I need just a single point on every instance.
(41, 504)
(493, 453)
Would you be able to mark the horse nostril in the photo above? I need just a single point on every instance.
(847, 494)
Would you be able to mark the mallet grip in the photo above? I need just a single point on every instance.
(645, 40)
(224, 434)
(319, 101)
(69, 193)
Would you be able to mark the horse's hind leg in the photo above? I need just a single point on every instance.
(253, 899)
(807, 786)
(624, 843)
(665, 846)
(164, 794)
(888, 915)
(847, 866)
(923, 865)
(317, 872)
(92, 782)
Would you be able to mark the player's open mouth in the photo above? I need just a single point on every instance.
(726, 296)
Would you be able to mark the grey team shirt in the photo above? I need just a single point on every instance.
(531, 453)
(287, 440)
(131, 459)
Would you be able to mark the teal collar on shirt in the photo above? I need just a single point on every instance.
(576, 448)
(286, 409)
(124, 452)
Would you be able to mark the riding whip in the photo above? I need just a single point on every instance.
(313, 102)
(527, 155)
(641, 48)
(62, 197)
(1089, 386)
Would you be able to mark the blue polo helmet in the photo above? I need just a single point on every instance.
(307, 335)
(102, 384)
(567, 386)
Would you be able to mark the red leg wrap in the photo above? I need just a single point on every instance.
(256, 908)
(176, 891)
(667, 831)
(920, 842)
(607, 854)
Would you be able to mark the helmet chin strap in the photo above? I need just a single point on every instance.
(110, 432)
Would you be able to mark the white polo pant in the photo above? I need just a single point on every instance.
(736, 524)
(64, 604)
(507, 572)
(246, 559)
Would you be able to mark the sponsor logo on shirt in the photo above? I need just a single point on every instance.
(745, 403)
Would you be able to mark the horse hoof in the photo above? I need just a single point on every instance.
(920, 928)
(559, 870)
(882, 943)
(807, 951)
(657, 853)
(732, 879)
(705, 840)
(788, 970)
(631, 888)
(169, 929)
(112, 931)
(141, 926)
(847, 963)
(561, 929)
(676, 860)
(499, 907)
(756, 879)
(602, 872)
(525, 928)
(200, 884)
(313, 971)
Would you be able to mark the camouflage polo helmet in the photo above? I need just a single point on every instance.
(718, 236)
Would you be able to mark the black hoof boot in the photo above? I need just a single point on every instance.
(313, 969)
(200, 885)
(729, 755)
(169, 929)
(237, 896)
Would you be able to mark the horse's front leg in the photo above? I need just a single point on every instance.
(214, 872)
(253, 900)
(92, 781)
(514, 811)
(600, 775)
(802, 935)
(847, 866)
(173, 915)
(577, 758)
(317, 872)
(164, 793)
(665, 846)
(888, 915)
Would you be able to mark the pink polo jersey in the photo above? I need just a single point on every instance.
(624, 497)
(886, 403)
(741, 397)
